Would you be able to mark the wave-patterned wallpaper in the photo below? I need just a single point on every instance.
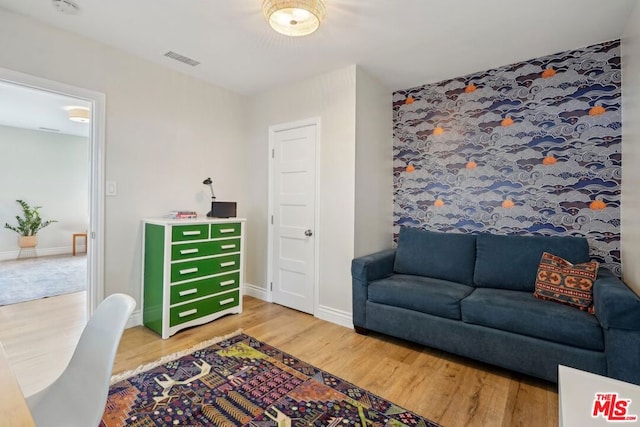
(529, 148)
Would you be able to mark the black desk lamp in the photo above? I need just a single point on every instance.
(213, 196)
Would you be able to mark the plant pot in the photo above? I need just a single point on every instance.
(27, 242)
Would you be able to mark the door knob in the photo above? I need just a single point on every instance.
(308, 233)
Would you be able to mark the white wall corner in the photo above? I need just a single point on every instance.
(333, 315)
(256, 292)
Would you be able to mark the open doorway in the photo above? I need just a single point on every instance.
(44, 163)
(85, 216)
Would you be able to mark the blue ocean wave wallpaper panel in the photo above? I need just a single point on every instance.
(528, 148)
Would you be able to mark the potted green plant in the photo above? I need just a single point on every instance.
(29, 224)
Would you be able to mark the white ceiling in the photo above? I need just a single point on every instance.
(28, 108)
(403, 43)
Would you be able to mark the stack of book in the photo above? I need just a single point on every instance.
(182, 214)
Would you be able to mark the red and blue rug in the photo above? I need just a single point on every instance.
(241, 381)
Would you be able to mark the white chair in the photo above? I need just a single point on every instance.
(79, 395)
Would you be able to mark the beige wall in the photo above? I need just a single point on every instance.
(331, 97)
(630, 204)
(165, 133)
(355, 176)
(374, 166)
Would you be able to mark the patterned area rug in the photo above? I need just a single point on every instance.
(241, 381)
(34, 278)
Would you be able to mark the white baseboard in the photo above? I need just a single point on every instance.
(29, 253)
(329, 314)
(333, 315)
(256, 292)
(135, 319)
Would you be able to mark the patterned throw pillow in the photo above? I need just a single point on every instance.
(560, 281)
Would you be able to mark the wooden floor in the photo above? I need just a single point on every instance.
(450, 390)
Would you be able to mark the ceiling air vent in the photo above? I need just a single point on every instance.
(67, 7)
(49, 129)
(181, 58)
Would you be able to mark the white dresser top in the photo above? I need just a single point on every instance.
(191, 221)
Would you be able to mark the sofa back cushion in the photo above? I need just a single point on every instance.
(446, 256)
(511, 262)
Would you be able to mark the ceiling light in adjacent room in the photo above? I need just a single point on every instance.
(79, 114)
(294, 17)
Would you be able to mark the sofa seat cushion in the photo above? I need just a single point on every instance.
(522, 313)
(511, 262)
(446, 256)
(427, 295)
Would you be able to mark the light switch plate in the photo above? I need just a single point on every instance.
(111, 188)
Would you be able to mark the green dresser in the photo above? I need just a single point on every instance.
(192, 272)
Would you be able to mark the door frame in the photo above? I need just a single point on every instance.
(95, 251)
(316, 226)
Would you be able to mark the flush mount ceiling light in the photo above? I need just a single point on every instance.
(294, 17)
(79, 114)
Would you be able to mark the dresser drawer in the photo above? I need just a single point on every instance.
(204, 267)
(225, 230)
(204, 307)
(181, 233)
(201, 288)
(201, 249)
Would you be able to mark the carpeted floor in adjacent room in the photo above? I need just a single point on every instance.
(34, 278)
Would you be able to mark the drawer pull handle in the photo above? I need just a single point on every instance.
(227, 264)
(227, 282)
(188, 251)
(227, 301)
(189, 270)
(227, 230)
(191, 233)
(188, 312)
(228, 247)
(188, 292)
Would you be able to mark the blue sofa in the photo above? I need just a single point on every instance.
(472, 295)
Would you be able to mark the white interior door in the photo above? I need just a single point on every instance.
(293, 196)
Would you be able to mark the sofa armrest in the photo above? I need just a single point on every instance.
(618, 310)
(364, 270)
(617, 306)
(373, 267)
